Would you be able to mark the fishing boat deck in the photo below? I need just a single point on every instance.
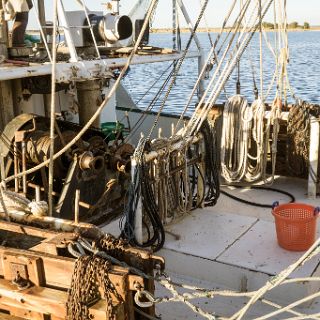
(233, 245)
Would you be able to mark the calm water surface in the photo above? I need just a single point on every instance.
(303, 70)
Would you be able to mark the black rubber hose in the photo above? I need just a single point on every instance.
(260, 205)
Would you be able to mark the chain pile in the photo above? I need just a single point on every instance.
(90, 274)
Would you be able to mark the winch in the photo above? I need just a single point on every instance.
(99, 169)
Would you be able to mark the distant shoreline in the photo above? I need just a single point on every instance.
(215, 29)
(184, 30)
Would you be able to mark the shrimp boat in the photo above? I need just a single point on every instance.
(92, 186)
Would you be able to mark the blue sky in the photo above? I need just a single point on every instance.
(298, 10)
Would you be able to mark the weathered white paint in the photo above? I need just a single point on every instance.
(84, 70)
(313, 158)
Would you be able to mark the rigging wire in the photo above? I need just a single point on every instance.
(178, 66)
(216, 86)
(151, 105)
(212, 52)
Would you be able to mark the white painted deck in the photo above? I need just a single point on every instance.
(234, 246)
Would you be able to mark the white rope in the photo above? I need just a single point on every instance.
(257, 163)
(235, 138)
(53, 107)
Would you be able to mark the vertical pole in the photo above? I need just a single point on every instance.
(174, 24)
(261, 55)
(76, 206)
(313, 158)
(201, 58)
(42, 18)
(24, 167)
(38, 193)
(64, 23)
(16, 169)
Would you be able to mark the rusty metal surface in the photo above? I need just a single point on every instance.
(10, 130)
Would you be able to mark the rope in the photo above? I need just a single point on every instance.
(52, 108)
(235, 138)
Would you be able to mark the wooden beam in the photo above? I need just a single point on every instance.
(27, 230)
(4, 316)
(47, 301)
(58, 270)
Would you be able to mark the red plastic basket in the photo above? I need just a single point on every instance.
(296, 225)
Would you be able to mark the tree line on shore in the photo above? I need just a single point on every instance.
(292, 25)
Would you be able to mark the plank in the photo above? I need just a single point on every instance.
(4, 316)
(46, 301)
(27, 230)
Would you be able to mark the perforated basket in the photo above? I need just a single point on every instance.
(296, 225)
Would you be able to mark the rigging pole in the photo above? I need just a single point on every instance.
(42, 18)
(201, 58)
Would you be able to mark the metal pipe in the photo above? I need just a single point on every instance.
(42, 18)
(85, 229)
(76, 206)
(16, 169)
(66, 184)
(24, 167)
(56, 194)
(313, 157)
(201, 58)
(38, 193)
(65, 25)
(175, 146)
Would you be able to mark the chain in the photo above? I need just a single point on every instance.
(91, 272)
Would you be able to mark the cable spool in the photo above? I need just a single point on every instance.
(110, 28)
(38, 149)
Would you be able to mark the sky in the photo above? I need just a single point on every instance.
(297, 10)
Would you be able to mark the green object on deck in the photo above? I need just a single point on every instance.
(30, 38)
(112, 129)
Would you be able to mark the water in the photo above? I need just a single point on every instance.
(303, 70)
